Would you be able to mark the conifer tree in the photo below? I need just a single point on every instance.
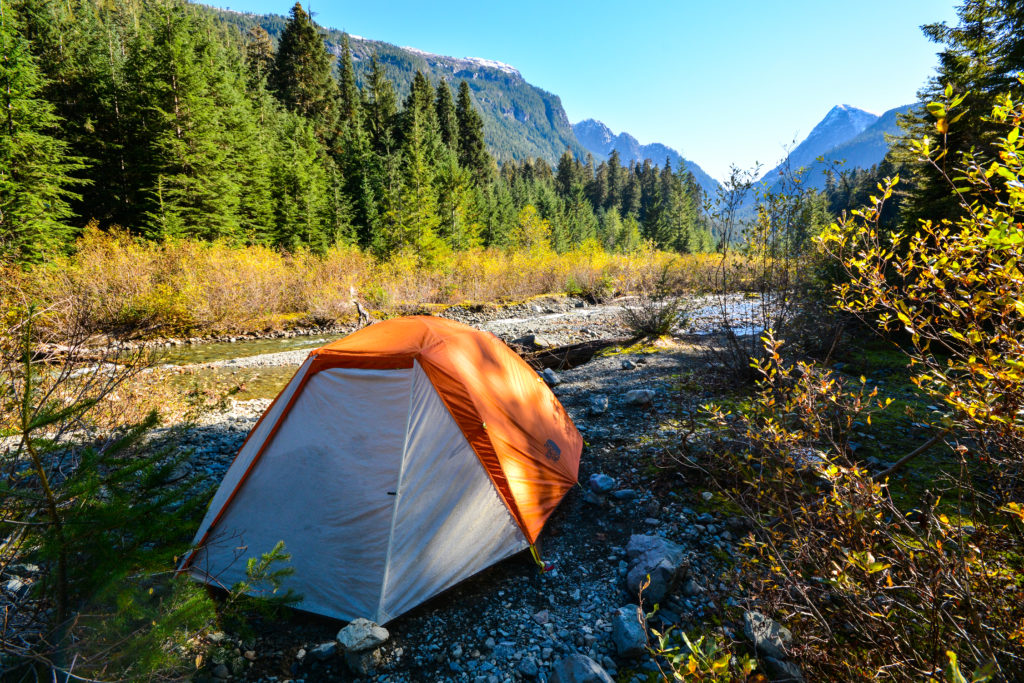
(446, 117)
(35, 166)
(194, 117)
(980, 59)
(472, 150)
(454, 198)
(301, 77)
(380, 109)
(259, 56)
(349, 102)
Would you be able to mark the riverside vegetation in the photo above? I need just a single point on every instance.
(877, 481)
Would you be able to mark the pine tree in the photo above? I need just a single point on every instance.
(195, 117)
(35, 166)
(447, 120)
(259, 57)
(980, 59)
(349, 114)
(454, 198)
(472, 150)
(380, 109)
(301, 77)
(416, 222)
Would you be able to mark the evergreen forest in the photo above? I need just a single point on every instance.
(161, 119)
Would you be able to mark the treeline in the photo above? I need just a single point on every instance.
(156, 117)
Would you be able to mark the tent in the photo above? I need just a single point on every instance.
(397, 462)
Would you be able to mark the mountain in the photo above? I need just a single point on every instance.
(600, 141)
(871, 145)
(846, 134)
(520, 120)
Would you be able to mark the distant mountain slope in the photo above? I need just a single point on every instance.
(870, 146)
(599, 140)
(846, 134)
(520, 120)
(841, 124)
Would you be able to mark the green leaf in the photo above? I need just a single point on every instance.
(936, 109)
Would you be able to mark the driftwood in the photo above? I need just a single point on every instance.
(569, 356)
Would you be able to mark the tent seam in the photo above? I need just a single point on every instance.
(398, 495)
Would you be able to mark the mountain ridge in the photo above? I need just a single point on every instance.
(600, 141)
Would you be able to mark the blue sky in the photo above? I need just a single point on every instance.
(724, 82)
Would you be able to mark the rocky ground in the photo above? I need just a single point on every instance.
(634, 515)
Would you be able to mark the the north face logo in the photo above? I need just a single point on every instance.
(553, 453)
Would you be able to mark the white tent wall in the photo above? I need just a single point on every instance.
(248, 451)
(375, 491)
(449, 521)
(322, 486)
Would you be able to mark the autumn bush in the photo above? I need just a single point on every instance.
(194, 288)
(915, 577)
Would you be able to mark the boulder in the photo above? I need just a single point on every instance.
(769, 638)
(657, 557)
(533, 342)
(324, 651)
(639, 397)
(577, 668)
(363, 662)
(629, 631)
(361, 635)
(782, 671)
(601, 483)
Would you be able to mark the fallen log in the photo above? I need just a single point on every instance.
(570, 355)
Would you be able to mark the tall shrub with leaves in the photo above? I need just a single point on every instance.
(955, 287)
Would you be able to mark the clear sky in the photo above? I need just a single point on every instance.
(722, 81)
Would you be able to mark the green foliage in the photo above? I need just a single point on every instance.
(301, 77)
(701, 658)
(196, 130)
(955, 287)
(36, 166)
(102, 519)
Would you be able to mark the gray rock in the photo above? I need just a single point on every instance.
(627, 364)
(657, 557)
(624, 494)
(362, 634)
(17, 586)
(601, 483)
(324, 651)
(769, 638)
(551, 378)
(639, 397)
(692, 588)
(782, 671)
(629, 631)
(363, 662)
(577, 668)
(528, 667)
(592, 498)
(221, 671)
(598, 404)
(533, 342)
